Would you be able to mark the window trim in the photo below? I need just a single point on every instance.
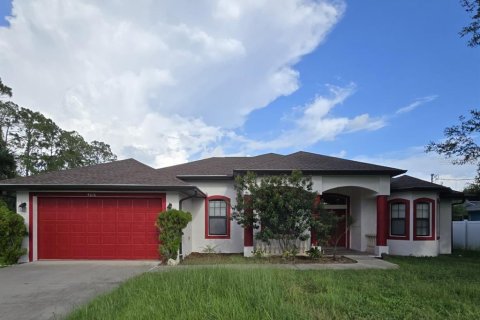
(431, 203)
(407, 219)
(207, 220)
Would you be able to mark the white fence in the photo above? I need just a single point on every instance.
(466, 234)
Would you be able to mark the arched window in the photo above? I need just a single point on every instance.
(217, 217)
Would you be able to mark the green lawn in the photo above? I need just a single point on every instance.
(447, 287)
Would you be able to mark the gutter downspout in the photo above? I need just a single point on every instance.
(180, 202)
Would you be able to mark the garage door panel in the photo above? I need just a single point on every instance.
(98, 228)
(94, 227)
(78, 227)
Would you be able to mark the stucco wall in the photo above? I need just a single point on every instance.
(22, 196)
(378, 184)
(419, 247)
(445, 226)
(197, 207)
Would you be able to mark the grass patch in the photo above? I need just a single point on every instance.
(445, 287)
(235, 258)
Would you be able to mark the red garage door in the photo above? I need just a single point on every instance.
(98, 227)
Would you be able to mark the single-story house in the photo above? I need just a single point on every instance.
(473, 210)
(108, 211)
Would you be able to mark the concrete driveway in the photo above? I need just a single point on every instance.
(49, 289)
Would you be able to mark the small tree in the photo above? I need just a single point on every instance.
(325, 225)
(12, 232)
(282, 205)
(170, 224)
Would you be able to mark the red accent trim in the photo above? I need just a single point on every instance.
(348, 213)
(227, 200)
(248, 236)
(101, 195)
(431, 202)
(313, 234)
(382, 220)
(248, 231)
(407, 219)
(30, 227)
(130, 195)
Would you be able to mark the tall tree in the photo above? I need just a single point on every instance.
(7, 160)
(473, 29)
(38, 144)
(461, 142)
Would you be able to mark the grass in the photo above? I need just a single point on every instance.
(213, 258)
(446, 287)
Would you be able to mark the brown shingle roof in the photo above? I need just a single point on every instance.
(409, 183)
(304, 161)
(127, 173)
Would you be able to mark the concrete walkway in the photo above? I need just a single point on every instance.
(50, 289)
(364, 262)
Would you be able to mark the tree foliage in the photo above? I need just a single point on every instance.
(473, 29)
(38, 144)
(12, 232)
(461, 142)
(170, 224)
(325, 225)
(282, 205)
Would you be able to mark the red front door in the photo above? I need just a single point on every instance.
(341, 234)
(98, 227)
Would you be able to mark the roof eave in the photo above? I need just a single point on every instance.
(444, 192)
(391, 173)
(205, 177)
(101, 187)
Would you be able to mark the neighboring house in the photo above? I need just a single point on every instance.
(473, 210)
(108, 211)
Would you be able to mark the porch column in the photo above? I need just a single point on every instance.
(313, 234)
(382, 226)
(248, 241)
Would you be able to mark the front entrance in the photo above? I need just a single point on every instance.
(340, 205)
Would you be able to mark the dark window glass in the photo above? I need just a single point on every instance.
(397, 219)
(217, 217)
(422, 219)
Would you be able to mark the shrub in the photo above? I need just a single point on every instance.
(171, 223)
(12, 232)
(314, 253)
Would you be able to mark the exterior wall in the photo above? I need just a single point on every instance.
(199, 242)
(22, 197)
(424, 247)
(378, 184)
(445, 226)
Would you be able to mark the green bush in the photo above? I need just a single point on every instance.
(12, 232)
(171, 223)
(314, 253)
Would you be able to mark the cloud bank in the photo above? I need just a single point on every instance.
(161, 81)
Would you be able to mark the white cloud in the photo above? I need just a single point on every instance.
(316, 122)
(420, 165)
(159, 80)
(415, 104)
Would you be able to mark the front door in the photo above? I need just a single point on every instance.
(338, 204)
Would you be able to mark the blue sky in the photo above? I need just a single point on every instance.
(383, 55)
(394, 59)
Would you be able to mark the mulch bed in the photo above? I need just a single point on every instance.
(196, 258)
